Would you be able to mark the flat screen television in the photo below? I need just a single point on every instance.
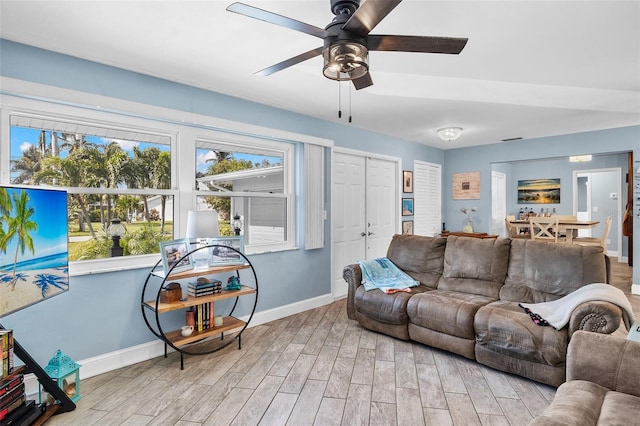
(34, 256)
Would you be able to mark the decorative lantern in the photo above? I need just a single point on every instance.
(66, 373)
(116, 229)
(237, 224)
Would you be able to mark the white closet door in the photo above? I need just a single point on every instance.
(364, 210)
(348, 216)
(381, 213)
(427, 194)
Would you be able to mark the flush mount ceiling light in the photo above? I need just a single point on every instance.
(345, 61)
(450, 133)
(579, 158)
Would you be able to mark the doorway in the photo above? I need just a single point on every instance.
(364, 206)
(498, 203)
(596, 195)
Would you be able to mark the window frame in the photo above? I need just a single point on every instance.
(182, 133)
(287, 150)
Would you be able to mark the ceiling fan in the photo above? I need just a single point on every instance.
(347, 41)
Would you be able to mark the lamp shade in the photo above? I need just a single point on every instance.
(202, 224)
(345, 61)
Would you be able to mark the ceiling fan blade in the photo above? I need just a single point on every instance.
(289, 62)
(398, 43)
(368, 15)
(362, 82)
(274, 18)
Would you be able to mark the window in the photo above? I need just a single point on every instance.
(250, 182)
(109, 174)
(149, 172)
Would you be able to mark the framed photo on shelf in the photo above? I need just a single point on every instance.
(174, 255)
(407, 181)
(221, 255)
(407, 207)
(407, 227)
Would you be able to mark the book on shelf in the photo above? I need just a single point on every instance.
(200, 293)
(22, 414)
(12, 395)
(26, 414)
(9, 383)
(12, 400)
(204, 315)
(6, 344)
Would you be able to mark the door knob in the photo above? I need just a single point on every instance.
(363, 234)
(369, 233)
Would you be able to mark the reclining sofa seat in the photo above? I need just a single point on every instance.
(474, 271)
(467, 301)
(387, 313)
(506, 337)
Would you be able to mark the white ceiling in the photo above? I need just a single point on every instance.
(530, 68)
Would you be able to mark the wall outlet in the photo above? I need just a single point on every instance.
(608, 241)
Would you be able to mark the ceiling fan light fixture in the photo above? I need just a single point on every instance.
(450, 133)
(345, 61)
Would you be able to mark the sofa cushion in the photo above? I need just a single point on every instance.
(575, 403)
(475, 265)
(584, 403)
(543, 271)
(504, 328)
(420, 257)
(387, 308)
(448, 312)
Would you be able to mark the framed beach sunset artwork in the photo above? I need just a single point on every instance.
(34, 257)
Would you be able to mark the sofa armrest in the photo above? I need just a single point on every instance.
(609, 361)
(595, 316)
(352, 274)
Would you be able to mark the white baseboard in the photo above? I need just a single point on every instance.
(635, 288)
(132, 355)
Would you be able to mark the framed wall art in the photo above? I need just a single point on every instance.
(539, 191)
(407, 207)
(407, 181)
(407, 227)
(466, 186)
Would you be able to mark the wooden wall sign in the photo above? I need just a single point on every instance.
(466, 186)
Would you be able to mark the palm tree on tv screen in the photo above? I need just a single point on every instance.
(20, 225)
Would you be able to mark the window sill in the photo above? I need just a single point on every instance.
(103, 266)
(100, 266)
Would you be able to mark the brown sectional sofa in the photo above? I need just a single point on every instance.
(467, 300)
(597, 392)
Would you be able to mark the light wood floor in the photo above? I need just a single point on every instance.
(314, 368)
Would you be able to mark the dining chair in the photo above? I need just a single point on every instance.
(544, 228)
(596, 241)
(512, 231)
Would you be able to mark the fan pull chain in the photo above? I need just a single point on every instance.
(350, 103)
(339, 99)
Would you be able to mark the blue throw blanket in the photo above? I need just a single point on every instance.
(382, 274)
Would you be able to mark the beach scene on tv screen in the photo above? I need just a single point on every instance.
(34, 254)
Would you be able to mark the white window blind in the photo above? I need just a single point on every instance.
(427, 194)
(314, 194)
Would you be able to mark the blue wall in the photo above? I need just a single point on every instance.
(484, 158)
(101, 312)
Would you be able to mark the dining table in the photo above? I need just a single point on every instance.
(564, 225)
